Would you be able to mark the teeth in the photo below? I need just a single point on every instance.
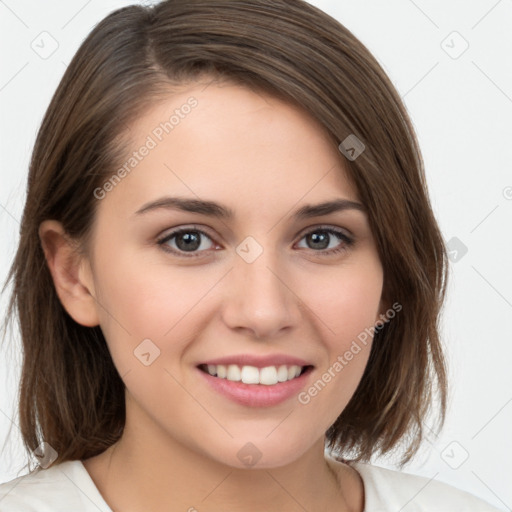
(250, 375)
(234, 373)
(282, 373)
(268, 376)
(293, 371)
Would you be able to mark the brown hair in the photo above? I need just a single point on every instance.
(71, 395)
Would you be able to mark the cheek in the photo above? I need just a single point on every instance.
(347, 314)
(149, 298)
(346, 306)
(345, 300)
(142, 300)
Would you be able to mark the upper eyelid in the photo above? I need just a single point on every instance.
(176, 231)
(204, 231)
(327, 227)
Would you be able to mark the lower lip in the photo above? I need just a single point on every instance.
(257, 395)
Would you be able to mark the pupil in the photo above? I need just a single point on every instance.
(322, 240)
(191, 241)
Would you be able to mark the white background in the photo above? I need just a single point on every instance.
(461, 106)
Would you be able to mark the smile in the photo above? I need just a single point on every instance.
(254, 381)
(267, 376)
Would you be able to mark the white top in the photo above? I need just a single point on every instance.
(68, 487)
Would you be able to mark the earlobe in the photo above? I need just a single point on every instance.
(73, 284)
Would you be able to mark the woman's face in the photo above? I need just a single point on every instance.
(260, 284)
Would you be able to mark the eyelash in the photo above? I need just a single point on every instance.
(348, 241)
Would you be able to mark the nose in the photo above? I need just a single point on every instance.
(259, 298)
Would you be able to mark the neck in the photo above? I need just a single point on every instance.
(147, 470)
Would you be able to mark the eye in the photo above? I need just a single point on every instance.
(191, 241)
(186, 240)
(327, 240)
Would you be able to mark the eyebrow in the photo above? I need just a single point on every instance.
(213, 209)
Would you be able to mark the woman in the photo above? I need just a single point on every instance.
(228, 263)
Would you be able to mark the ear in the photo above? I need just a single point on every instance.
(71, 273)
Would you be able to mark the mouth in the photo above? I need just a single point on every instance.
(266, 376)
(256, 381)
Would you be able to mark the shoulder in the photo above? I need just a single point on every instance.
(60, 488)
(386, 490)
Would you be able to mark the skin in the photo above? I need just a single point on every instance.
(264, 159)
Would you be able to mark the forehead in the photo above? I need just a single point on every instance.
(232, 143)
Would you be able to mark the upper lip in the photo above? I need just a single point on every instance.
(258, 361)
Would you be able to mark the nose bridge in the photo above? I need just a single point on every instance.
(258, 298)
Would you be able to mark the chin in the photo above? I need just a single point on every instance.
(261, 452)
